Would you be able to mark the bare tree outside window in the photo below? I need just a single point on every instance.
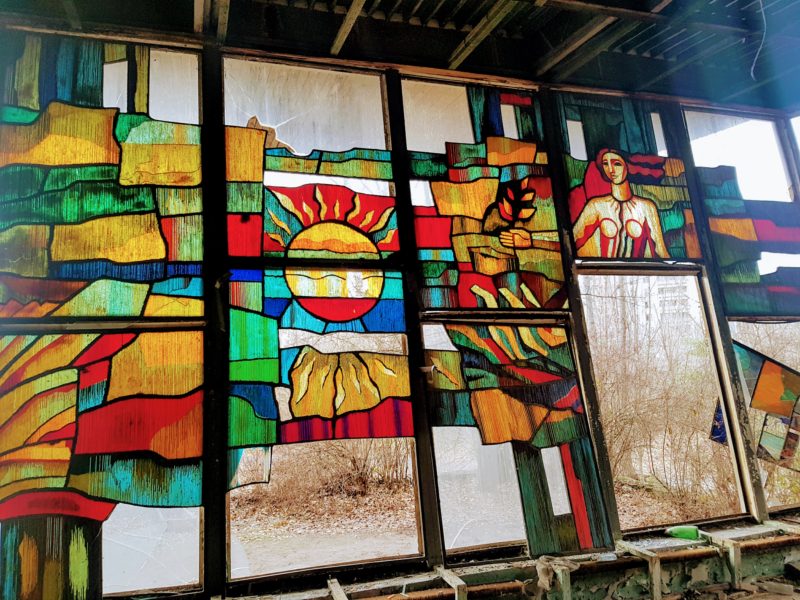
(658, 388)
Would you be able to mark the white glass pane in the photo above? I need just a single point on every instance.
(577, 141)
(361, 186)
(307, 108)
(751, 146)
(556, 483)
(435, 114)
(658, 133)
(150, 548)
(508, 115)
(115, 85)
(478, 489)
(656, 380)
(174, 86)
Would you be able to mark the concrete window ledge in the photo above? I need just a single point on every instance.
(730, 561)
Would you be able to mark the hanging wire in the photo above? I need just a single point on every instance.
(763, 39)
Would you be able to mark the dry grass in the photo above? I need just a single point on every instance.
(351, 484)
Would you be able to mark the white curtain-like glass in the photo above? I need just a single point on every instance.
(309, 109)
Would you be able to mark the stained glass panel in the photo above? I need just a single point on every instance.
(517, 385)
(307, 167)
(757, 248)
(90, 420)
(316, 355)
(774, 390)
(483, 203)
(626, 201)
(100, 200)
(319, 385)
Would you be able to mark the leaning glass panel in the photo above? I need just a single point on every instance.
(658, 388)
(769, 363)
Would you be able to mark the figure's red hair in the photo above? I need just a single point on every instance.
(645, 165)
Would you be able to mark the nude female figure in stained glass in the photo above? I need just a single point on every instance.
(619, 224)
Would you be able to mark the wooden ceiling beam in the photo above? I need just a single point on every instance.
(202, 15)
(221, 10)
(686, 20)
(71, 11)
(573, 42)
(353, 12)
(497, 13)
(694, 57)
(577, 45)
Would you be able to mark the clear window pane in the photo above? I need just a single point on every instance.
(748, 147)
(326, 503)
(478, 490)
(656, 381)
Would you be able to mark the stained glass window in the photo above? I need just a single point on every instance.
(307, 167)
(90, 421)
(756, 243)
(320, 408)
(99, 181)
(101, 432)
(626, 201)
(485, 218)
(516, 385)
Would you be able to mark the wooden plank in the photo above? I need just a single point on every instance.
(572, 44)
(454, 581)
(694, 57)
(202, 14)
(222, 9)
(644, 16)
(564, 581)
(653, 565)
(733, 553)
(337, 592)
(347, 25)
(499, 11)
